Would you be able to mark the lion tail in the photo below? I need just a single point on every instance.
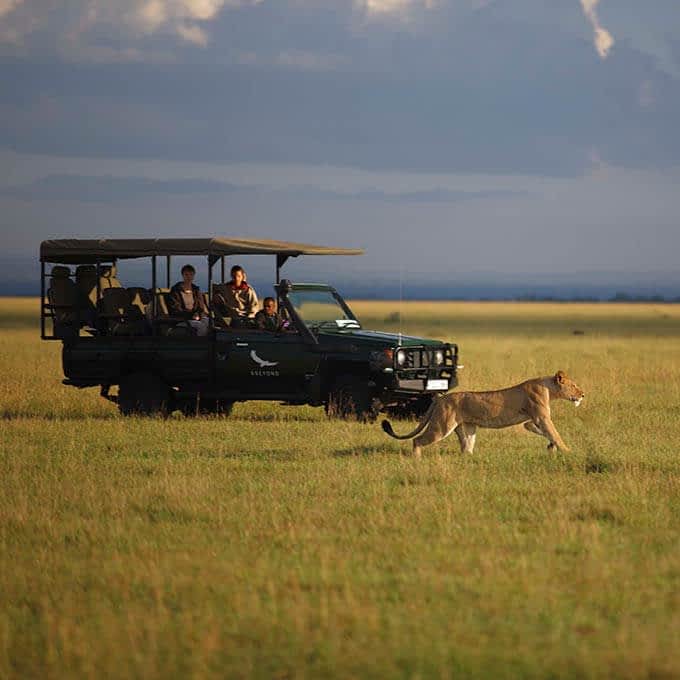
(387, 426)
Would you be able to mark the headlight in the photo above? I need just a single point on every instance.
(401, 357)
(439, 357)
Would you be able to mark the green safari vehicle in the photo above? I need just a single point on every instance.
(113, 335)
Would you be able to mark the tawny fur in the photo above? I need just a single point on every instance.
(464, 412)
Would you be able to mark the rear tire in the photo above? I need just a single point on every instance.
(207, 407)
(350, 399)
(143, 394)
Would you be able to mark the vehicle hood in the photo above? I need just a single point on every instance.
(376, 339)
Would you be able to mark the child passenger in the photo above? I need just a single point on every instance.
(268, 319)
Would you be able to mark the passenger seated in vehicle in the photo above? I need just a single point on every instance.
(186, 302)
(236, 299)
(268, 319)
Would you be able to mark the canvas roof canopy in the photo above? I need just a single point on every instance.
(77, 251)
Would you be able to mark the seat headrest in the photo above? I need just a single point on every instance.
(60, 272)
(108, 271)
(85, 271)
(120, 293)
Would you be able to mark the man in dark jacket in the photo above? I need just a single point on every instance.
(186, 301)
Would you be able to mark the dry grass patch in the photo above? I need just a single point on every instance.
(277, 543)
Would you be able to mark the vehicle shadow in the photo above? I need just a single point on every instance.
(365, 450)
(268, 418)
(27, 414)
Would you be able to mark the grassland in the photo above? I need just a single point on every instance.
(277, 544)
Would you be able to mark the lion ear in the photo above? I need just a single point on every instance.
(560, 376)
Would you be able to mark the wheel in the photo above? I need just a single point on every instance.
(407, 410)
(143, 394)
(206, 406)
(350, 399)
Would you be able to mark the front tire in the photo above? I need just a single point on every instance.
(350, 399)
(143, 394)
(414, 409)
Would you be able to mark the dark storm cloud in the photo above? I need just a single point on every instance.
(501, 90)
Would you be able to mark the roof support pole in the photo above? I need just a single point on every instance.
(211, 262)
(42, 300)
(154, 299)
(167, 273)
(280, 261)
(222, 259)
(99, 288)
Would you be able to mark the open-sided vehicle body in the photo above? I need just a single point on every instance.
(114, 335)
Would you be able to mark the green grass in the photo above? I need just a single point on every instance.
(278, 544)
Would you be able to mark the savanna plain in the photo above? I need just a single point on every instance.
(279, 544)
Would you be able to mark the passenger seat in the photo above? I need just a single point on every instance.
(139, 300)
(62, 296)
(86, 282)
(108, 277)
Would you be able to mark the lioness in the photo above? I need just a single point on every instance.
(464, 412)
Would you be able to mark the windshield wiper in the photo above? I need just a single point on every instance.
(347, 323)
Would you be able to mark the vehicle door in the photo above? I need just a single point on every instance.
(262, 364)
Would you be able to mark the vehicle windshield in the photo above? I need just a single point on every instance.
(320, 308)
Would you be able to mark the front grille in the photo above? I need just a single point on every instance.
(422, 359)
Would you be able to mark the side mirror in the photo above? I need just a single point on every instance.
(285, 286)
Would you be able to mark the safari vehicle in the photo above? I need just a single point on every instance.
(125, 337)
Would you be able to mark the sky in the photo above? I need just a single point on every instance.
(501, 143)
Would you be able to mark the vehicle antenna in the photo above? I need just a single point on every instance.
(401, 297)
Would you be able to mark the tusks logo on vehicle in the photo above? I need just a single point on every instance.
(263, 363)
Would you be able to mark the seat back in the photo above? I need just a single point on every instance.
(86, 282)
(222, 319)
(162, 295)
(139, 300)
(115, 302)
(108, 277)
(62, 293)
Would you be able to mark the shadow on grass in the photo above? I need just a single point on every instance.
(595, 465)
(267, 454)
(27, 414)
(270, 418)
(592, 513)
(366, 450)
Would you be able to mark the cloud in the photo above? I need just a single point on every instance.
(393, 8)
(309, 61)
(112, 189)
(6, 6)
(79, 28)
(603, 39)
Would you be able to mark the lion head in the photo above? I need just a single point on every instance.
(567, 389)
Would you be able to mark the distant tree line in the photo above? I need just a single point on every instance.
(617, 297)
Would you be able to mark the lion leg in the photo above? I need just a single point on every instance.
(529, 425)
(433, 434)
(549, 431)
(466, 436)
